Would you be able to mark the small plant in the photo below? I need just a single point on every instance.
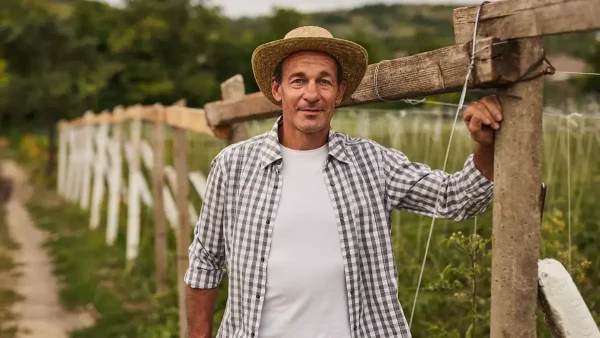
(463, 281)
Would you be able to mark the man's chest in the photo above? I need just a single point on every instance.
(353, 199)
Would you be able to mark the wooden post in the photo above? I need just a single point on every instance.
(62, 156)
(183, 231)
(231, 90)
(99, 170)
(87, 160)
(133, 200)
(160, 222)
(516, 219)
(115, 178)
(76, 157)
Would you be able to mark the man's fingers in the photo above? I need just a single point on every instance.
(493, 106)
(475, 128)
(475, 124)
(486, 115)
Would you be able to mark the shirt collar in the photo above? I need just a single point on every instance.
(272, 148)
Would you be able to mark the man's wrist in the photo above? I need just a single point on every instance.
(483, 158)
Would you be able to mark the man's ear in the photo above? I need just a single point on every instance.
(341, 91)
(276, 89)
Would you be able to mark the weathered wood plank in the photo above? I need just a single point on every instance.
(251, 107)
(191, 119)
(514, 19)
(439, 71)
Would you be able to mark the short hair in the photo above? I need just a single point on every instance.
(278, 73)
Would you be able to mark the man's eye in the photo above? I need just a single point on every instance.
(297, 81)
(326, 82)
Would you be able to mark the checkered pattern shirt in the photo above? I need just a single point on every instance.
(366, 181)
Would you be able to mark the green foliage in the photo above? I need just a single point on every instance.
(65, 57)
(463, 281)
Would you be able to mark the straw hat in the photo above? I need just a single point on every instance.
(352, 57)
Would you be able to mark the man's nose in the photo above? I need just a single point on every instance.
(311, 94)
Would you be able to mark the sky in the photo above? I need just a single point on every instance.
(237, 8)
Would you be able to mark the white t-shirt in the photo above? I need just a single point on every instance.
(306, 289)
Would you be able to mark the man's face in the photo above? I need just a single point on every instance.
(308, 91)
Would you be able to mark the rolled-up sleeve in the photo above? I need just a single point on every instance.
(415, 187)
(207, 250)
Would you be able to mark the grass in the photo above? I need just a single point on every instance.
(93, 274)
(7, 269)
(97, 276)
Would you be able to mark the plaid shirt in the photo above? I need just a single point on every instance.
(366, 181)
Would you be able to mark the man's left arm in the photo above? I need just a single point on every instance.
(416, 188)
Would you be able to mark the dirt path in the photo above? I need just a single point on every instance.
(39, 314)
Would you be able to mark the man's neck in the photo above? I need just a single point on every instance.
(297, 140)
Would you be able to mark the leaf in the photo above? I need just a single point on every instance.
(469, 333)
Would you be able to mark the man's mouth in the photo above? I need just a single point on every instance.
(310, 110)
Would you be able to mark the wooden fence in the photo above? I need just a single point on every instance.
(90, 159)
(506, 38)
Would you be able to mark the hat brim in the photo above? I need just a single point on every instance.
(352, 57)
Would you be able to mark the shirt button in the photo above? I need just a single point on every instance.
(352, 291)
(258, 296)
(262, 259)
(348, 256)
(252, 334)
(276, 186)
(355, 327)
(268, 221)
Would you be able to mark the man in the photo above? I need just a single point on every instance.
(301, 215)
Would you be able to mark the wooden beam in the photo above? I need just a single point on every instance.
(514, 19)
(190, 119)
(439, 71)
(251, 107)
(517, 188)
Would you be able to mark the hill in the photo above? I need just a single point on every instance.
(406, 29)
